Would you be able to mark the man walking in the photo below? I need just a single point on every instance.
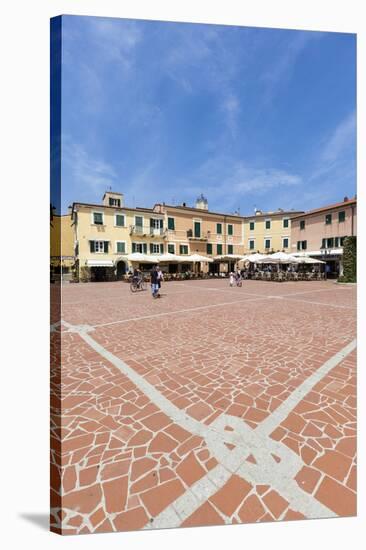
(154, 279)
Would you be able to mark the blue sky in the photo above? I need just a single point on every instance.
(250, 117)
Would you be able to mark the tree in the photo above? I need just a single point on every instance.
(349, 260)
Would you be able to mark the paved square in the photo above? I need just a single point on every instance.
(212, 405)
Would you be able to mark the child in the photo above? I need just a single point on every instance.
(231, 279)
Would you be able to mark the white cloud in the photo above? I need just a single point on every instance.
(342, 137)
(88, 174)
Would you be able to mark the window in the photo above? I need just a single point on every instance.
(197, 229)
(156, 248)
(120, 220)
(324, 243)
(99, 246)
(336, 242)
(219, 228)
(219, 249)
(230, 249)
(328, 219)
(171, 224)
(268, 224)
(139, 220)
(251, 244)
(342, 240)
(285, 223)
(341, 216)
(267, 243)
(302, 224)
(171, 248)
(302, 245)
(209, 248)
(183, 249)
(114, 202)
(98, 218)
(285, 242)
(121, 247)
(330, 242)
(251, 226)
(139, 247)
(230, 229)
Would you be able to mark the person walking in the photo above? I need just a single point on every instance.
(231, 279)
(154, 280)
(160, 279)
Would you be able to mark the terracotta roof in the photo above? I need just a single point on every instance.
(200, 210)
(149, 210)
(329, 207)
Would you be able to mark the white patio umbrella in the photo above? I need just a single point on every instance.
(198, 258)
(308, 260)
(168, 257)
(142, 258)
(230, 257)
(278, 258)
(254, 258)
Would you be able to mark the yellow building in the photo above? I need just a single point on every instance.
(61, 247)
(106, 233)
(268, 231)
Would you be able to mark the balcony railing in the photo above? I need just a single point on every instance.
(147, 231)
(201, 237)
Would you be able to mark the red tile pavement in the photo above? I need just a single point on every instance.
(119, 461)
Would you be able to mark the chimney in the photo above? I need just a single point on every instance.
(346, 199)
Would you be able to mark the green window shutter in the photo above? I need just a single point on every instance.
(133, 247)
(230, 229)
(209, 248)
(219, 249)
(197, 229)
(151, 248)
(285, 223)
(219, 228)
(161, 224)
(92, 246)
(251, 226)
(171, 224)
(145, 248)
(151, 223)
(120, 220)
(121, 248)
(323, 243)
(230, 249)
(106, 247)
(298, 245)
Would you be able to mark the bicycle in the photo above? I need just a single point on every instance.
(137, 285)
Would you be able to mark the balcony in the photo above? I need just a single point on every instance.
(147, 231)
(201, 237)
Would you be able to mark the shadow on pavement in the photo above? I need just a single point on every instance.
(41, 520)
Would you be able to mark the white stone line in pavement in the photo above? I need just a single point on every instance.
(247, 441)
(165, 313)
(271, 422)
(314, 303)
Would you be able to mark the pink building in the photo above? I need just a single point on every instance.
(320, 233)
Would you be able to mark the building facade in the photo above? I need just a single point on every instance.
(105, 234)
(268, 231)
(197, 230)
(61, 247)
(320, 233)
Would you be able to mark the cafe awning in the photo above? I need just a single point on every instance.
(99, 263)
